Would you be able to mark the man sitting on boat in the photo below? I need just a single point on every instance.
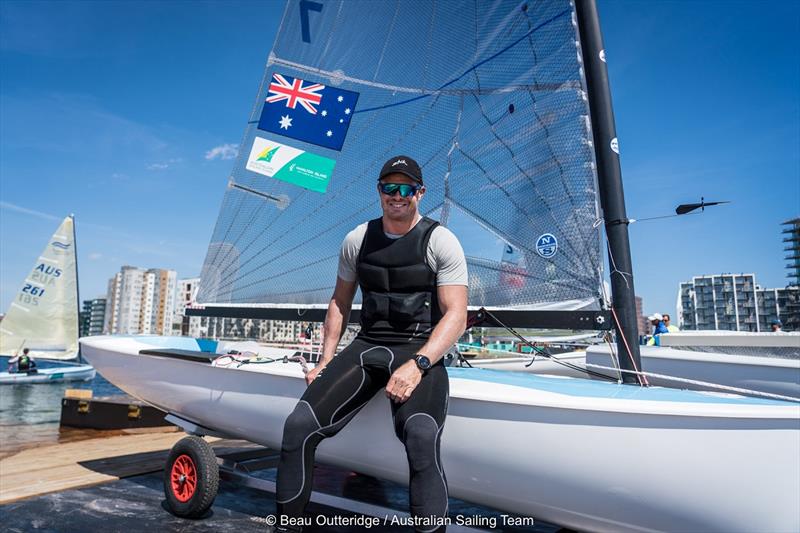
(671, 328)
(22, 363)
(657, 321)
(413, 278)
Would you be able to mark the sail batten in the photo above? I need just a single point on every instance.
(489, 99)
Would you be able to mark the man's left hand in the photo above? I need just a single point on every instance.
(403, 382)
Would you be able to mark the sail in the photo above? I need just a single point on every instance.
(489, 98)
(44, 314)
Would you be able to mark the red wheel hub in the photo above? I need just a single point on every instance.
(183, 478)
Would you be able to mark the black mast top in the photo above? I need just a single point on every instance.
(612, 198)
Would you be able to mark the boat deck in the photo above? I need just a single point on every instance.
(115, 484)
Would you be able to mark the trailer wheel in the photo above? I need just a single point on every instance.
(191, 477)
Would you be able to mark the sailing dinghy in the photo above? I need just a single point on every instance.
(44, 315)
(506, 105)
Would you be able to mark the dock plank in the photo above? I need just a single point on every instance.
(58, 467)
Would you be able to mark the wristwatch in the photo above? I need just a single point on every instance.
(423, 363)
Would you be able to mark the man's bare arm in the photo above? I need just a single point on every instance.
(453, 303)
(336, 318)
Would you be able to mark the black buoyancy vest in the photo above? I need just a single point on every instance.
(398, 288)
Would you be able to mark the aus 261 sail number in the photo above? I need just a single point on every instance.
(45, 276)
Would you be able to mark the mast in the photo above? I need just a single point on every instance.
(77, 283)
(609, 178)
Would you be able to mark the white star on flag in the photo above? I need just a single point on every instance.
(341, 121)
(347, 111)
(285, 122)
(324, 113)
(340, 99)
(330, 133)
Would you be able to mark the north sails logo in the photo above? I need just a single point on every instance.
(62, 245)
(400, 161)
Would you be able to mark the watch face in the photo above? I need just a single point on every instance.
(423, 362)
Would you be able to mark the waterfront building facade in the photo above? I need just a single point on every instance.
(92, 317)
(791, 239)
(140, 301)
(84, 316)
(734, 302)
(190, 326)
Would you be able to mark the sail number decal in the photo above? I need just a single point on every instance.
(30, 294)
(305, 7)
(44, 275)
(33, 290)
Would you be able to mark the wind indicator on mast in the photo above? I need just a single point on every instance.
(688, 208)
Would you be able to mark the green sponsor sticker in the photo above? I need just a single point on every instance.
(308, 170)
(289, 164)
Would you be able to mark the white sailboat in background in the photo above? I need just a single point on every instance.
(44, 314)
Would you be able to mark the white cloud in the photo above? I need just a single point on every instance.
(224, 151)
(165, 164)
(94, 256)
(26, 211)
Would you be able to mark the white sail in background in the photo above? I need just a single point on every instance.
(44, 313)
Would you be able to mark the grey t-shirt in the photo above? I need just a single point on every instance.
(444, 255)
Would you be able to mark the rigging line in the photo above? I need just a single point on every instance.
(341, 191)
(545, 352)
(632, 220)
(749, 392)
(614, 360)
(473, 67)
(614, 269)
(621, 333)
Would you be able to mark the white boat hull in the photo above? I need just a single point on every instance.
(764, 374)
(49, 375)
(587, 455)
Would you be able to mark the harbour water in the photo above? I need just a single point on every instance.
(30, 413)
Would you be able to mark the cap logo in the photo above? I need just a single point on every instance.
(400, 161)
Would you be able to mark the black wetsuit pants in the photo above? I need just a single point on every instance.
(346, 385)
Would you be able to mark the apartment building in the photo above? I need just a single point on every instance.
(140, 301)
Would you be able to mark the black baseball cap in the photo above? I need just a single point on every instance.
(404, 165)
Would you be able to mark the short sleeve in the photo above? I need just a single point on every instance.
(446, 258)
(348, 255)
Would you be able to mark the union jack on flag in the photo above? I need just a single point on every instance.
(322, 118)
(295, 93)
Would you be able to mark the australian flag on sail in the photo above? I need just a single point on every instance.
(307, 111)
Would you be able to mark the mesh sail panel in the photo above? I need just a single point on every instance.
(489, 98)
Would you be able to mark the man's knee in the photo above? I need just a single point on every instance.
(420, 434)
(300, 424)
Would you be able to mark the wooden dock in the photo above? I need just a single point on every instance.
(36, 471)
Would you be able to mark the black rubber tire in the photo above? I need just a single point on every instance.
(207, 477)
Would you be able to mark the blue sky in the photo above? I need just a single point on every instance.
(128, 113)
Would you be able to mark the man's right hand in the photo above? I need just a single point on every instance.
(313, 373)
